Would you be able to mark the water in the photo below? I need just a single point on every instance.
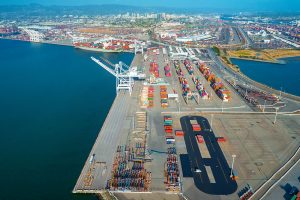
(278, 76)
(53, 102)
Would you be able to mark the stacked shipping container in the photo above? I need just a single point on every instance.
(172, 171)
(150, 96)
(187, 63)
(147, 97)
(128, 172)
(167, 70)
(154, 69)
(184, 86)
(200, 88)
(168, 126)
(215, 82)
(163, 96)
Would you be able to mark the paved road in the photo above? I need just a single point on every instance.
(223, 71)
(245, 35)
(220, 169)
(282, 188)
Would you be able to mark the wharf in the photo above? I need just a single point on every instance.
(260, 145)
(114, 132)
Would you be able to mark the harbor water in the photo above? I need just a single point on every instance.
(285, 77)
(54, 100)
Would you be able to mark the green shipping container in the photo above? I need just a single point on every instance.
(294, 197)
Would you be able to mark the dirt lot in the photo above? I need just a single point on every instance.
(265, 55)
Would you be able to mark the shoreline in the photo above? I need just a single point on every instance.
(68, 45)
(265, 87)
(240, 72)
(275, 60)
(43, 42)
(266, 61)
(283, 57)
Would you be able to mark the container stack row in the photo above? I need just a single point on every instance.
(200, 87)
(215, 82)
(246, 193)
(184, 86)
(128, 172)
(187, 63)
(167, 71)
(141, 121)
(147, 97)
(186, 91)
(178, 69)
(163, 96)
(150, 96)
(172, 179)
(168, 126)
(154, 69)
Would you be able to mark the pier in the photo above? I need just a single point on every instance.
(132, 128)
(115, 130)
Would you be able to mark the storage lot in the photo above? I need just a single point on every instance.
(260, 146)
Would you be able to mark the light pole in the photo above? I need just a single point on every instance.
(280, 93)
(275, 115)
(222, 105)
(233, 157)
(264, 105)
(211, 122)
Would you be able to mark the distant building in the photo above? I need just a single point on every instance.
(34, 36)
(194, 38)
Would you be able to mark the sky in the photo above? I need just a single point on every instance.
(267, 5)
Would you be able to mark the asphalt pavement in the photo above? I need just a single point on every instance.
(223, 184)
(282, 189)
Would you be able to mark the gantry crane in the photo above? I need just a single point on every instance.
(124, 74)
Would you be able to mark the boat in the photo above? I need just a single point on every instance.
(99, 49)
(106, 45)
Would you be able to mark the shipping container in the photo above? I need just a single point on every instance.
(199, 139)
(179, 133)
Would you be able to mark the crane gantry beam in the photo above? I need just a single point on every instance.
(124, 75)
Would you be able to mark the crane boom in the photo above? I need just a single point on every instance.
(124, 76)
(104, 66)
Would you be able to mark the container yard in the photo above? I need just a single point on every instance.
(144, 140)
(186, 123)
(107, 45)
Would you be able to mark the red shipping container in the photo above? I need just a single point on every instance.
(196, 127)
(221, 139)
(200, 139)
(179, 133)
